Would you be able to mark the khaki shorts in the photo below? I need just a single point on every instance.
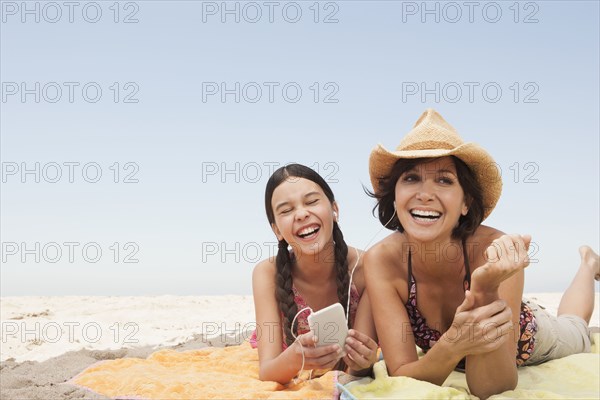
(557, 337)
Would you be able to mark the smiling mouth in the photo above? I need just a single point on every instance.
(308, 231)
(425, 216)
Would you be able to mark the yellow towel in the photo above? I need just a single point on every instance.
(573, 377)
(219, 373)
(401, 387)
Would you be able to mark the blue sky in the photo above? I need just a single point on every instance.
(184, 112)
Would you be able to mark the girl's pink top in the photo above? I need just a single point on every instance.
(302, 318)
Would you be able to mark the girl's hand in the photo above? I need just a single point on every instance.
(478, 330)
(361, 351)
(322, 357)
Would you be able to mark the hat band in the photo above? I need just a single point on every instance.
(428, 145)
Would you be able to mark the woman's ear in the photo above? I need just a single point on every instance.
(465, 207)
(276, 232)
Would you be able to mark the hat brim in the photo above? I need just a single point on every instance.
(485, 169)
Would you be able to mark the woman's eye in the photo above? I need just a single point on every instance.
(410, 178)
(312, 201)
(287, 210)
(446, 181)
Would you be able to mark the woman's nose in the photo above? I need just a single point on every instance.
(426, 191)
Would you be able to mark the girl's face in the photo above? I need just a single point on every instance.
(430, 200)
(303, 215)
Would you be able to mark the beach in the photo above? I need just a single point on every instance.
(46, 341)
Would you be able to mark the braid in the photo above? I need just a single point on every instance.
(342, 276)
(283, 290)
(341, 266)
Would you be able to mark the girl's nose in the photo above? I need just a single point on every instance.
(301, 213)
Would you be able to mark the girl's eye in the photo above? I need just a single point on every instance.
(312, 201)
(287, 210)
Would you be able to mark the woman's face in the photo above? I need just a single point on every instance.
(430, 200)
(303, 215)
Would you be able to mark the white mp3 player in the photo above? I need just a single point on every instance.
(329, 325)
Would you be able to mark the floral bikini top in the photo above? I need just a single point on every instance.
(302, 319)
(426, 337)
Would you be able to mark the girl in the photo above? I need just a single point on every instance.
(450, 285)
(312, 268)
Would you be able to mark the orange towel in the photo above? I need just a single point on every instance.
(219, 373)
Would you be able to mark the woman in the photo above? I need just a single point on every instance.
(450, 285)
(312, 269)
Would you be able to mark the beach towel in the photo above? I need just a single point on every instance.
(232, 373)
(573, 377)
(210, 373)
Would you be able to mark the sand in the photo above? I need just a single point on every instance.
(46, 341)
(39, 328)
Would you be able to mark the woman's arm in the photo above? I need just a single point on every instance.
(361, 344)
(502, 277)
(275, 364)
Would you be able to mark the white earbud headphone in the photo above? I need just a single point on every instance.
(392, 217)
(335, 215)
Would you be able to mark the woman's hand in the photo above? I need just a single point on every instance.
(478, 330)
(322, 357)
(361, 351)
(506, 256)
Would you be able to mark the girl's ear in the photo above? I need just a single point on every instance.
(276, 232)
(336, 211)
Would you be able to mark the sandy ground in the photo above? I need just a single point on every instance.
(45, 341)
(39, 328)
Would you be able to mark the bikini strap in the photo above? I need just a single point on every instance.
(410, 279)
(467, 279)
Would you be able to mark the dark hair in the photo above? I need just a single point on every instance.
(467, 224)
(283, 280)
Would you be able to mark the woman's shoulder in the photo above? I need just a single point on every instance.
(389, 248)
(478, 243)
(484, 236)
(388, 256)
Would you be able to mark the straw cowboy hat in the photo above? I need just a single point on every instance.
(432, 137)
